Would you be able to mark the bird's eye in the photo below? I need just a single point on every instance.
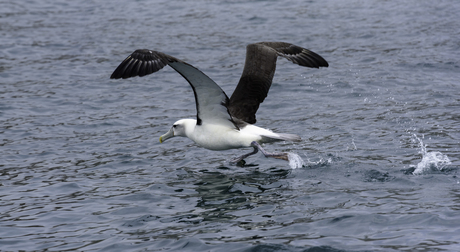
(174, 125)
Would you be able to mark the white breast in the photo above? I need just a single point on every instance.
(220, 137)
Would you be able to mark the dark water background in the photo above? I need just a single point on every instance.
(81, 167)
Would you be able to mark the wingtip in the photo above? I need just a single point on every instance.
(313, 59)
(114, 76)
(140, 63)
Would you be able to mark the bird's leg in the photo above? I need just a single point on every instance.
(257, 147)
(239, 159)
(279, 155)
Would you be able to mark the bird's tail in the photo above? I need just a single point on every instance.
(269, 136)
(274, 137)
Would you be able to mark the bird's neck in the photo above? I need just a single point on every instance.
(189, 127)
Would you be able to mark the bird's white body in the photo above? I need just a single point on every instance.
(222, 137)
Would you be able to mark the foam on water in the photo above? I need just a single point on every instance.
(434, 160)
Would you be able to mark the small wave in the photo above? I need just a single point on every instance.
(434, 160)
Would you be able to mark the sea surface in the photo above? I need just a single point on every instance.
(81, 167)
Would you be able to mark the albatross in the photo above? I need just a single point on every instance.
(224, 123)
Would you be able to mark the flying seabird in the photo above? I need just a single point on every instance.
(224, 123)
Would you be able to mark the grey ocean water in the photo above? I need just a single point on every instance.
(82, 168)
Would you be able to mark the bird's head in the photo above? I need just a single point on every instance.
(179, 128)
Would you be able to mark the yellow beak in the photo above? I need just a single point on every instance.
(166, 136)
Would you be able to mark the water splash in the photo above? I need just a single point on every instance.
(434, 160)
(321, 161)
(295, 161)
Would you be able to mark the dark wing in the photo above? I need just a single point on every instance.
(258, 72)
(140, 63)
(211, 101)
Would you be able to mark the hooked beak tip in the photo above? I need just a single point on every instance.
(166, 136)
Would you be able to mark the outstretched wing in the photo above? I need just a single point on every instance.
(258, 72)
(211, 101)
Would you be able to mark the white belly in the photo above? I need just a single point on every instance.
(217, 137)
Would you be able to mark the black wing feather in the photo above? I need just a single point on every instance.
(258, 73)
(140, 63)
